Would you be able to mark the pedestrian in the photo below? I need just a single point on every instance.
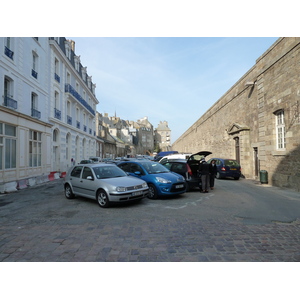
(204, 171)
(212, 173)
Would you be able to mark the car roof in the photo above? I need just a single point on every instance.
(95, 164)
(181, 160)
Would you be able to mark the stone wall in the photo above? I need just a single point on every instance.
(244, 117)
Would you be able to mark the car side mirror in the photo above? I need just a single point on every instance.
(90, 178)
(137, 173)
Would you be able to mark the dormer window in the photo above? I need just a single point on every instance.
(77, 62)
(68, 49)
(83, 72)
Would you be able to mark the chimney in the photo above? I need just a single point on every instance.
(72, 45)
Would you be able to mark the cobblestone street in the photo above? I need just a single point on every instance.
(183, 229)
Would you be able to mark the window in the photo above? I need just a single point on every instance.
(35, 148)
(280, 130)
(56, 70)
(34, 72)
(34, 106)
(77, 62)
(8, 149)
(8, 47)
(76, 171)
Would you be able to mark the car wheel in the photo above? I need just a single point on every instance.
(102, 198)
(152, 192)
(236, 178)
(218, 176)
(68, 192)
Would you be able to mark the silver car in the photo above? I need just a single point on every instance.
(104, 182)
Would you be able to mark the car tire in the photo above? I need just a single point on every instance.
(102, 199)
(236, 178)
(218, 176)
(152, 191)
(68, 192)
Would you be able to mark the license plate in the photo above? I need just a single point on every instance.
(233, 169)
(137, 193)
(179, 186)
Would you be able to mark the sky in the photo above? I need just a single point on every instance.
(173, 79)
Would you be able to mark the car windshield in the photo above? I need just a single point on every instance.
(231, 163)
(154, 168)
(109, 171)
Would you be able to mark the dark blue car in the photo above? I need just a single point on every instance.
(227, 168)
(160, 180)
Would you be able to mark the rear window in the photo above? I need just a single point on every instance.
(231, 163)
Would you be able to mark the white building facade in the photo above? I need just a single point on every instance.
(72, 106)
(47, 109)
(25, 133)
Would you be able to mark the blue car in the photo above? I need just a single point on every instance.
(160, 180)
(227, 168)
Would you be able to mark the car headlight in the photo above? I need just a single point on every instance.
(181, 178)
(145, 185)
(121, 189)
(162, 180)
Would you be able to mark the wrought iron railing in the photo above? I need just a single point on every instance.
(9, 53)
(57, 113)
(35, 113)
(11, 103)
(76, 95)
(56, 77)
(34, 73)
(69, 120)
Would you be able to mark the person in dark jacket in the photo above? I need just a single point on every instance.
(204, 171)
(212, 173)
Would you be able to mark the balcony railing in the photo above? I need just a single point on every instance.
(11, 103)
(57, 113)
(69, 120)
(9, 53)
(34, 73)
(56, 77)
(75, 94)
(35, 113)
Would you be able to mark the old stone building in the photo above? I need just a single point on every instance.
(163, 136)
(257, 120)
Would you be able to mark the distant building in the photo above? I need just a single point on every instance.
(163, 136)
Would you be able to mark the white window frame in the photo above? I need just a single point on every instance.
(35, 149)
(280, 130)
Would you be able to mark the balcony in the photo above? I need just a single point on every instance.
(34, 74)
(75, 94)
(10, 103)
(69, 120)
(57, 114)
(35, 113)
(9, 53)
(56, 77)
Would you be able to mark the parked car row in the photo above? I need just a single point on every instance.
(135, 179)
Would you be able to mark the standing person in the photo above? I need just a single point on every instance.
(204, 171)
(212, 173)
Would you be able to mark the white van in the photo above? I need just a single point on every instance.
(175, 156)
